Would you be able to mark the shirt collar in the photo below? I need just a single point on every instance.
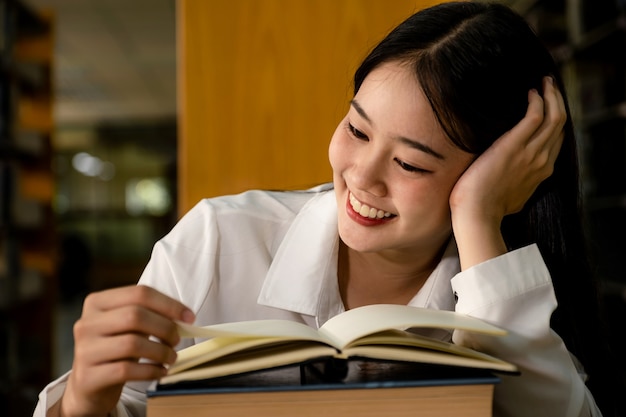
(437, 291)
(304, 268)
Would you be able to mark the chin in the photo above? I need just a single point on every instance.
(360, 243)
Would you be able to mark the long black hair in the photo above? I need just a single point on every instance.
(476, 63)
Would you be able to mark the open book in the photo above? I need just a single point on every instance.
(376, 332)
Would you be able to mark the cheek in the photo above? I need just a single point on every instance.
(431, 216)
(441, 195)
(429, 200)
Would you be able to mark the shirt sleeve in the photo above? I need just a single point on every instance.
(515, 292)
(132, 404)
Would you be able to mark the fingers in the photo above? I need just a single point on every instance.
(526, 130)
(124, 334)
(128, 348)
(555, 111)
(133, 319)
(555, 117)
(117, 373)
(136, 311)
(540, 132)
(545, 116)
(137, 295)
(546, 141)
(547, 112)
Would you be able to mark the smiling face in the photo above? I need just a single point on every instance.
(393, 168)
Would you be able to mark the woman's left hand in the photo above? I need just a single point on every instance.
(501, 180)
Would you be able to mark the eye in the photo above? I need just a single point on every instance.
(409, 168)
(356, 132)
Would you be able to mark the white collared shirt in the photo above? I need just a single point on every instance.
(261, 255)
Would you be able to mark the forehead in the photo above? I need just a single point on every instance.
(392, 98)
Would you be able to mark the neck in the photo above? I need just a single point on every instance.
(375, 278)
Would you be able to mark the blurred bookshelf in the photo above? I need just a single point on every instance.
(27, 231)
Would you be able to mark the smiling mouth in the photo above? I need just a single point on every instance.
(366, 211)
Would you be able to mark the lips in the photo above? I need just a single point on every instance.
(366, 211)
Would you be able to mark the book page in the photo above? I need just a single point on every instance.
(288, 330)
(266, 357)
(353, 324)
(407, 354)
(348, 326)
(225, 346)
(400, 345)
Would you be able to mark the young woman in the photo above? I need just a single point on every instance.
(455, 186)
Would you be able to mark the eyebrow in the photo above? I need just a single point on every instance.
(409, 142)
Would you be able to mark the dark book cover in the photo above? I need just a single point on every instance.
(333, 374)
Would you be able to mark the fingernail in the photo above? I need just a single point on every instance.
(188, 316)
(550, 80)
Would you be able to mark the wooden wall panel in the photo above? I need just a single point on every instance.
(262, 85)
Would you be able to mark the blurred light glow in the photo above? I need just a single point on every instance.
(92, 166)
(147, 196)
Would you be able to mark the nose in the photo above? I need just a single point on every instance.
(368, 173)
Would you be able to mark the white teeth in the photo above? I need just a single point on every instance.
(367, 211)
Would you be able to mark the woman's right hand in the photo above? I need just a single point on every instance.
(112, 335)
